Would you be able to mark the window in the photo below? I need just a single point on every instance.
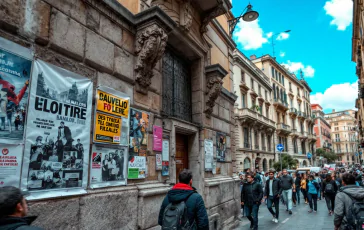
(253, 102)
(295, 146)
(273, 72)
(246, 137)
(263, 140)
(243, 100)
(252, 83)
(291, 101)
(338, 149)
(242, 76)
(336, 128)
(261, 109)
(282, 80)
(256, 137)
(269, 143)
(276, 75)
(290, 86)
(265, 95)
(298, 92)
(337, 137)
(267, 112)
(259, 91)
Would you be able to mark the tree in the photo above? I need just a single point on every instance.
(331, 157)
(287, 162)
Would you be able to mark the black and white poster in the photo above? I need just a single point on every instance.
(108, 166)
(15, 70)
(58, 132)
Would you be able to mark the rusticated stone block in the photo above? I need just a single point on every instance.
(111, 210)
(93, 19)
(57, 214)
(110, 30)
(10, 14)
(36, 21)
(76, 9)
(128, 41)
(115, 83)
(99, 52)
(67, 35)
(123, 64)
(148, 215)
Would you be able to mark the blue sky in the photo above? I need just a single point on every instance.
(319, 43)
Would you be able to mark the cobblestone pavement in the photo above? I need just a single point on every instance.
(300, 219)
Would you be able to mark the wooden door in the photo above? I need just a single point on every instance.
(181, 154)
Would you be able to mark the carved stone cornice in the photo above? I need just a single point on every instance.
(215, 12)
(253, 94)
(185, 14)
(243, 87)
(214, 79)
(151, 42)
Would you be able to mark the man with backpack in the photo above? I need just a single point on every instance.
(329, 190)
(349, 205)
(183, 208)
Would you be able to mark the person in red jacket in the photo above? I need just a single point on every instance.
(10, 89)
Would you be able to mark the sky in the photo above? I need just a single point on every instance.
(319, 43)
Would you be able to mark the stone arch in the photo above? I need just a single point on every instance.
(304, 163)
(247, 163)
(265, 165)
(270, 163)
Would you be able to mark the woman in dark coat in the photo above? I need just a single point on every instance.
(329, 191)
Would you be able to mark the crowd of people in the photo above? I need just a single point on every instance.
(342, 189)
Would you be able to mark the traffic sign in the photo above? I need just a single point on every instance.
(309, 155)
(280, 147)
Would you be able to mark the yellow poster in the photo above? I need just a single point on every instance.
(111, 104)
(107, 128)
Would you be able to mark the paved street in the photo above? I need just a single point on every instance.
(300, 219)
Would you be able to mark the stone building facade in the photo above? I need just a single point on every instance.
(292, 109)
(344, 135)
(253, 109)
(322, 128)
(174, 59)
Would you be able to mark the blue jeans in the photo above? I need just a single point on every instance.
(287, 196)
(298, 193)
(251, 212)
(274, 200)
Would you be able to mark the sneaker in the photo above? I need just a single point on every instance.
(310, 211)
(290, 212)
(315, 211)
(276, 221)
(294, 205)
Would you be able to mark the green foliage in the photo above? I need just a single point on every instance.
(287, 162)
(255, 108)
(331, 157)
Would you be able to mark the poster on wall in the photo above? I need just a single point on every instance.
(10, 164)
(137, 167)
(58, 133)
(220, 147)
(165, 168)
(158, 161)
(15, 70)
(157, 138)
(139, 123)
(108, 166)
(209, 154)
(111, 117)
(165, 150)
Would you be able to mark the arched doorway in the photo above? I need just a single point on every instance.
(304, 163)
(265, 165)
(247, 164)
(270, 163)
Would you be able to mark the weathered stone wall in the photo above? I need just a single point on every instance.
(98, 40)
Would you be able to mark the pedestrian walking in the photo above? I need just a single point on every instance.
(304, 187)
(14, 210)
(329, 190)
(271, 194)
(287, 186)
(183, 197)
(319, 181)
(349, 196)
(312, 193)
(297, 182)
(251, 197)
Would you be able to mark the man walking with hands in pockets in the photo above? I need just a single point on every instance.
(271, 193)
(286, 189)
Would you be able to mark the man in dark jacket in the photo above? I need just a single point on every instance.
(13, 210)
(344, 200)
(183, 191)
(251, 197)
(271, 192)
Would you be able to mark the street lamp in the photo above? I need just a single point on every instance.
(287, 31)
(248, 15)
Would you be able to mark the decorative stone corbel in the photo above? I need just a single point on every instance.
(214, 76)
(217, 11)
(151, 42)
(185, 15)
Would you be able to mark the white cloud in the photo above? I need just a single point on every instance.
(341, 11)
(250, 35)
(337, 96)
(282, 54)
(269, 35)
(283, 36)
(308, 71)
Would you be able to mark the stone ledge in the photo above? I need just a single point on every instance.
(216, 181)
(231, 96)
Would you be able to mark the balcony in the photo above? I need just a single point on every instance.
(301, 115)
(246, 145)
(294, 133)
(303, 135)
(264, 148)
(336, 140)
(293, 112)
(283, 129)
(256, 147)
(280, 104)
(312, 137)
(299, 98)
(249, 116)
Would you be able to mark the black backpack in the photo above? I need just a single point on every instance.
(329, 189)
(175, 216)
(355, 216)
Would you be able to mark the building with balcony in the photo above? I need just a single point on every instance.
(253, 110)
(344, 135)
(322, 129)
(292, 109)
(357, 57)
